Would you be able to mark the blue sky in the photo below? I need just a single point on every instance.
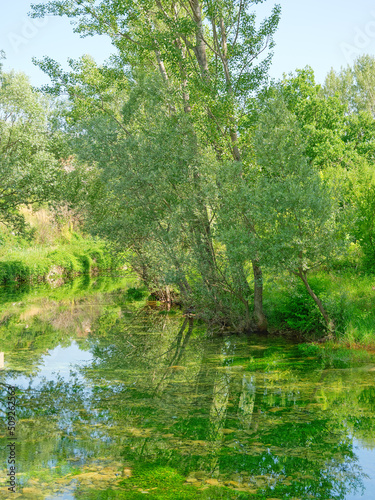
(320, 33)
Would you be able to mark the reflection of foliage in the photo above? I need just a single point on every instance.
(181, 420)
(246, 418)
(170, 491)
(34, 322)
(136, 293)
(25, 345)
(332, 355)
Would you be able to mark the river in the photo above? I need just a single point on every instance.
(118, 400)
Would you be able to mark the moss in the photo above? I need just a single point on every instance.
(166, 483)
(159, 476)
(184, 493)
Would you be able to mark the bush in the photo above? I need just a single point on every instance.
(295, 310)
(135, 294)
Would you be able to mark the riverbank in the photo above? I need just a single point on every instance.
(58, 251)
(53, 251)
(56, 263)
(348, 295)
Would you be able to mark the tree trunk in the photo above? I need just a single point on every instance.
(162, 69)
(168, 297)
(318, 302)
(241, 288)
(259, 316)
(245, 293)
(248, 320)
(200, 47)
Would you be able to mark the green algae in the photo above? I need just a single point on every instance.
(147, 409)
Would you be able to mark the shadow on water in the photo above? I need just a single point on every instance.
(115, 400)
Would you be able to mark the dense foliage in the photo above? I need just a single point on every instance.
(180, 151)
(166, 118)
(28, 162)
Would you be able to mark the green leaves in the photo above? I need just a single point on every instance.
(27, 166)
(298, 207)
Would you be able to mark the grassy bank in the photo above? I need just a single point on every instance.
(54, 250)
(40, 263)
(57, 250)
(348, 295)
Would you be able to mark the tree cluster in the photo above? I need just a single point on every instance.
(184, 154)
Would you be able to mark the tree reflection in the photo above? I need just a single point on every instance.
(244, 416)
(259, 429)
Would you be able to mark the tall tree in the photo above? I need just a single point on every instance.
(298, 220)
(207, 53)
(354, 85)
(283, 206)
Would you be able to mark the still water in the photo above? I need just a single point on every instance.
(117, 400)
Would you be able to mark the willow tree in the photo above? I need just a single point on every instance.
(299, 221)
(208, 52)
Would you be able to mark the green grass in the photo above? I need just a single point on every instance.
(53, 249)
(48, 263)
(348, 295)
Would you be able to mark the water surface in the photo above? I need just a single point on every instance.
(117, 400)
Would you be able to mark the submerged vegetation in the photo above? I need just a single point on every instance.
(187, 264)
(118, 400)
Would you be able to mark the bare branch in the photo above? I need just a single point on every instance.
(238, 23)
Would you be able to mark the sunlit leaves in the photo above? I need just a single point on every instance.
(28, 165)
